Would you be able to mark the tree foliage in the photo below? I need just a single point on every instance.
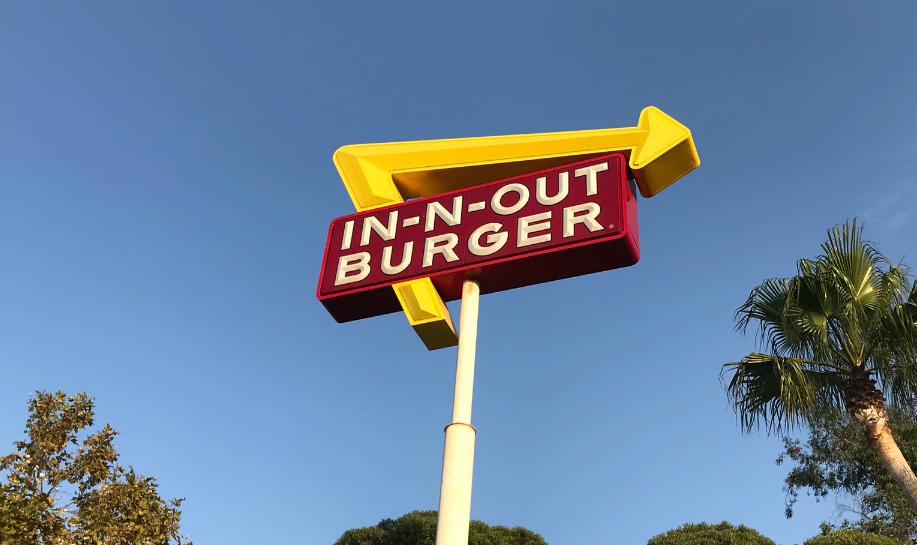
(711, 534)
(837, 461)
(850, 537)
(847, 312)
(65, 486)
(419, 528)
(840, 335)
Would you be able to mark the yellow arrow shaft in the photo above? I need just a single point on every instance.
(439, 154)
(387, 173)
(501, 150)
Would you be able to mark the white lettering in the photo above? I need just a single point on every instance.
(405, 259)
(495, 240)
(447, 250)
(370, 224)
(528, 225)
(541, 189)
(451, 218)
(498, 207)
(588, 219)
(350, 263)
(348, 236)
(589, 173)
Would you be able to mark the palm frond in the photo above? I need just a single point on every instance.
(781, 392)
(782, 329)
(815, 303)
(848, 310)
(893, 352)
(892, 288)
(912, 298)
(877, 325)
(852, 262)
(765, 306)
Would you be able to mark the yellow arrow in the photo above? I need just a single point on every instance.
(661, 151)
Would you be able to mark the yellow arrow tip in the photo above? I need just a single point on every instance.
(667, 154)
(664, 133)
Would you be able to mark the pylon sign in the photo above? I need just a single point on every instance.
(448, 219)
(566, 221)
(509, 211)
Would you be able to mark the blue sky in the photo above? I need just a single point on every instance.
(166, 185)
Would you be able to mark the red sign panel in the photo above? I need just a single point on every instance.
(566, 221)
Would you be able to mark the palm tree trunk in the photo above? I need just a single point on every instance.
(867, 407)
(890, 455)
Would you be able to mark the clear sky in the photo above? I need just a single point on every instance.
(166, 184)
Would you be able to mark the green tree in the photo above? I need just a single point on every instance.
(837, 460)
(710, 534)
(419, 528)
(64, 485)
(839, 334)
(850, 537)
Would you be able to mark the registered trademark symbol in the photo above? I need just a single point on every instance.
(612, 226)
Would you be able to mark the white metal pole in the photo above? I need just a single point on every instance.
(458, 454)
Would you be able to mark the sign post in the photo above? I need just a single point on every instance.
(441, 220)
(458, 453)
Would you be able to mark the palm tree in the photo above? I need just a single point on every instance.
(842, 333)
